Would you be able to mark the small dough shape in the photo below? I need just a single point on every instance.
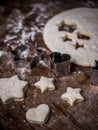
(45, 84)
(72, 96)
(12, 88)
(38, 115)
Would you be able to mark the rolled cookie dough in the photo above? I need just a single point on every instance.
(78, 37)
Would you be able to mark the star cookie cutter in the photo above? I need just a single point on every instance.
(94, 74)
(60, 64)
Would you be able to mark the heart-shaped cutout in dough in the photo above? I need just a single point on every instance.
(38, 115)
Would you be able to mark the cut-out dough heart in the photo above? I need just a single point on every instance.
(86, 31)
(38, 115)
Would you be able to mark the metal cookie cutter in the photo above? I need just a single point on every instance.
(60, 64)
(94, 75)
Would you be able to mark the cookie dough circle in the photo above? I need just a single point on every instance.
(86, 21)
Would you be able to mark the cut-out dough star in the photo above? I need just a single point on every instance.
(45, 84)
(12, 88)
(79, 44)
(83, 36)
(69, 27)
(67, 38)
(72, 96)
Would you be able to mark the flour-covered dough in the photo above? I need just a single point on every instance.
(12, 88)
(38, 115)
(79, 38)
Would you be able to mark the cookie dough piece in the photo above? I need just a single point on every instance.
(72, 96)
(45, 84)
(38, 115)
(12, 88)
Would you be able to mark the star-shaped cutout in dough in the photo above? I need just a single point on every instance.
(83, 36)
(67, 38)
(64, 26)
(79, 44)
(45, 84)
(12, 88)
(72, 96)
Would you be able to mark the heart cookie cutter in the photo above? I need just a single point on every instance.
(60, 64)
(94, 74)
